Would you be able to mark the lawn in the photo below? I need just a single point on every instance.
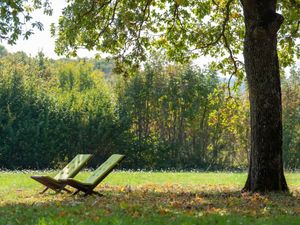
(149, 198)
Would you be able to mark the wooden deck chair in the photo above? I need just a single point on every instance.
(70, 171)
(96, 177)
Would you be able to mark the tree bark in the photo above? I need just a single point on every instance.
(262, 69)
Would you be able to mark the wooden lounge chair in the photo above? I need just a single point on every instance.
(96, 177)
(70, 171)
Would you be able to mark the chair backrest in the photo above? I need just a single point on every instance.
(73, 167)
(102, 171)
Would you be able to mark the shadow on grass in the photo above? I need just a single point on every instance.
(154, 204)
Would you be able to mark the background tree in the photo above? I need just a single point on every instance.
(168, 109)
(183, 29)
(229, 128)
(291, 118)
(52, 110)
(165, 116)
(3, 51)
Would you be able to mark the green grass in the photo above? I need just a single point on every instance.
(149, 198)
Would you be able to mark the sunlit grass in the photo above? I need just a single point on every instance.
(148, 198)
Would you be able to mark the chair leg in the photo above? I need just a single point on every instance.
(92, 193)
(42, 192)
(97, 193)
(76, 192)
(87, 193)
(65, 189)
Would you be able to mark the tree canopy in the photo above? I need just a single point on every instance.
(182, 29)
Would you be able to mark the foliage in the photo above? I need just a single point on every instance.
(291, 118)
(229, 129)
(3, 51)
(51, 111)
(174, 118)
(16, 15)
(105, 66)
(149, 198)
(165, 116)
(181, 29)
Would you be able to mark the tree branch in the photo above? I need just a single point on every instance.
(234, 61)
(109, 21)
(274, 26)
(224, 24)
(146, 8)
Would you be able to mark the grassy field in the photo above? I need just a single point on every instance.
(149, 198)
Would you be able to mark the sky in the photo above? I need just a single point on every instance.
(42, 40)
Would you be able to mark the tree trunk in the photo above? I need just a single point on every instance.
(262, 69)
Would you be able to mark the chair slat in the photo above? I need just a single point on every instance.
(73, 167)
(101, 172)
